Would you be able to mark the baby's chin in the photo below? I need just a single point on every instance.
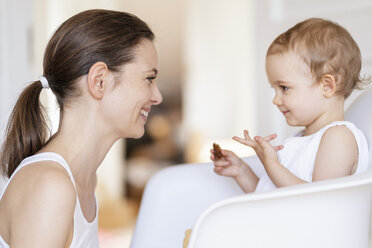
(297, 125)
(293, 124)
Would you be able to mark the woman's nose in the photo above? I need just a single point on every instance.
(156, 96)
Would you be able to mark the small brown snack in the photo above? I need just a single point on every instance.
(217, 151)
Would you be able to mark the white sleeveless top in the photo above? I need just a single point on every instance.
(299, 153)
(85, 233)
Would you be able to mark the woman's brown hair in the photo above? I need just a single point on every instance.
(81, 41)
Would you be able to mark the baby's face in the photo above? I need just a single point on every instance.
(297, 95)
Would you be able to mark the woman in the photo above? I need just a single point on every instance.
(101, 65)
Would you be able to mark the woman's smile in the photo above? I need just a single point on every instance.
(145, 113)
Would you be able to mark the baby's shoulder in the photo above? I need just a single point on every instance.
(339, 138)
(338, 133)
(338, 130)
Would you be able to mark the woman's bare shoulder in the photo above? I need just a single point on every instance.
(40, 183)
(39, 196)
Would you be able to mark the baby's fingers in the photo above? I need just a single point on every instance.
(219, 162)
(279, 147)
(218, 170)
(270, 137)
(246, 141)
(262, 142)
(265, 144)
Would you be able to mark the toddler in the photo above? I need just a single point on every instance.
(313, 67)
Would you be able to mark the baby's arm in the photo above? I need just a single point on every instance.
(337, 154)
(230, 165)
(267, 153)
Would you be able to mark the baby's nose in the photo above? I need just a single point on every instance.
(277, 100)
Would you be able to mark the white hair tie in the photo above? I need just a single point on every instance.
(44, 82)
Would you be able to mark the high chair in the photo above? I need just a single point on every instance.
(330, 213)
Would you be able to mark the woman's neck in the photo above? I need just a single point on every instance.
(83, 143)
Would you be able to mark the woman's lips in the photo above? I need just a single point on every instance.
(144, 113)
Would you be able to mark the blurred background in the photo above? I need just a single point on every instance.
(211, 75)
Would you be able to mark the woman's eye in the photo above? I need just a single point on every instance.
(150, 79)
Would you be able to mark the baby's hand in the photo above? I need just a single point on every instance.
(229, 165)
(264, 150)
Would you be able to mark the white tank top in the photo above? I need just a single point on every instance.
(299, 153)
(85, 233)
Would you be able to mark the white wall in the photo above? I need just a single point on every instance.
(15, 59)
(220, 72)
(15, 55)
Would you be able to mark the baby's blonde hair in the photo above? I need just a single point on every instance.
(327, 48)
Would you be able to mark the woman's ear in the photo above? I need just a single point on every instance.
(97, 79)
(328, 84)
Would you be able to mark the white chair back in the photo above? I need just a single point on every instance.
(360, 113)
(331, 213)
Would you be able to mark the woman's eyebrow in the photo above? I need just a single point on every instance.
(155, 71)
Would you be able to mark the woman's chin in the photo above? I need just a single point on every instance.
(134, 133)
(138, 134)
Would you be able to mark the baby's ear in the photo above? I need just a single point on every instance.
(328, 84)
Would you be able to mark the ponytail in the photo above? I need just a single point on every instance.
(26, 131)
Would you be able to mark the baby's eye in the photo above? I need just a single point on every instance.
(284, 88)
(151, 78)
